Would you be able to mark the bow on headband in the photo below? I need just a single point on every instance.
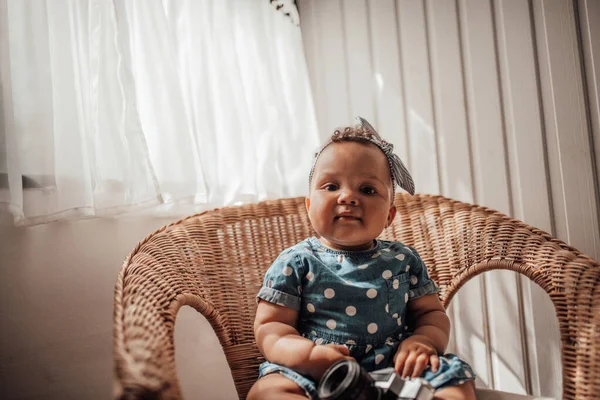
(400, 175)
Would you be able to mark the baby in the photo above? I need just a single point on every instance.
(348, 295)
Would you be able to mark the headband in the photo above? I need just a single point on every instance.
(400, 175)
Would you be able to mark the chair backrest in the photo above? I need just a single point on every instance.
(215, 262)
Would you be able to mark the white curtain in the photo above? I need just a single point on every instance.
(109, 106)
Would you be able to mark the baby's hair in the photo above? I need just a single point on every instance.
(364, 132)
(353, 133)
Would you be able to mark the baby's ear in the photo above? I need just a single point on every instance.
(307, 203)
(391, 215)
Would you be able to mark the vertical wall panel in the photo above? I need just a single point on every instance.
(387, 78)
(567, 134)
(419, 103)
(359, 64)
(469, 338)
(451, 123)
(589, 14)
(311, 29)
(530, 194)
(489, 152)
(484, 105)
(331, 64)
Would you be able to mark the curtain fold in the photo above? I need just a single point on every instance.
(112, 106)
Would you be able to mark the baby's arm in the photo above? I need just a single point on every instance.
(431, 320)
(430, 338)
(280, 342)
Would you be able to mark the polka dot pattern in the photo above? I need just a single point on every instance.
(372, 328)
(350, 292)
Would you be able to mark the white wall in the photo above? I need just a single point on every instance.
(492, 102)
(56, 305)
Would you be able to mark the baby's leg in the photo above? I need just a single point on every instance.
(466, 391)
(275, 386)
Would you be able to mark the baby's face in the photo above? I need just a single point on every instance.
(350, 200)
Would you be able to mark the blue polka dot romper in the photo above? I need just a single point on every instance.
(355, 298)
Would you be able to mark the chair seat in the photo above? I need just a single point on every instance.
(488, 394)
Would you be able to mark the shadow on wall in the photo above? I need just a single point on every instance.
(545, 367)
(201, 364)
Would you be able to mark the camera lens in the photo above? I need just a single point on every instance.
(346, 380)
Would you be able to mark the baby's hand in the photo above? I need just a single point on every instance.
(339, 348)
(324, 356)
(414, 355)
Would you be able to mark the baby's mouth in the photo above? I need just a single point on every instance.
(346, 218)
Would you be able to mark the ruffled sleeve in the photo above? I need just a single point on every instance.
(283, 281)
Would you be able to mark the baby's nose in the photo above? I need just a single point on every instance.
(347, 197)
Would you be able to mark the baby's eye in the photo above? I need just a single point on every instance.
(368, 190)
(331, 187)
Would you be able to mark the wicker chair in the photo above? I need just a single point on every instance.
(215, 263)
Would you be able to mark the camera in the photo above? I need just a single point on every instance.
(347, 380)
